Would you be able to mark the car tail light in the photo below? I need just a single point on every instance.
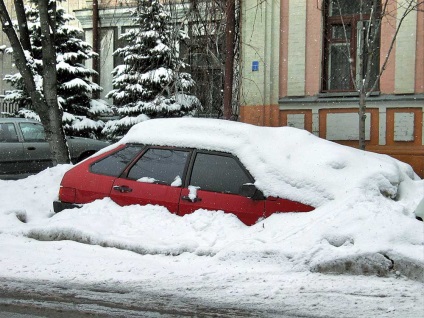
(67, 194)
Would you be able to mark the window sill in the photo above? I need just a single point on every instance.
(343, 94)
(325, 98)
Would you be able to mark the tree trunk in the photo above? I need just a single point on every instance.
(96, 46)
(362, 117)
(229, 58)
(361, 85)
(52, 119)
(44, 104)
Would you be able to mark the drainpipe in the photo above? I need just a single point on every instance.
(96, 45)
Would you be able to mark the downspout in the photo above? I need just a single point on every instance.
(96, 46)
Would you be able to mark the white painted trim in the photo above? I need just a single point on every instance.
(296, 49)
(382, 126)
(406, 47)
(315, 121)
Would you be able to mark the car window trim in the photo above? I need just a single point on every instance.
(217, 153)
(19, 132)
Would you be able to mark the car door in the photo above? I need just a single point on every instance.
(156, 177)
(214, 183)
(11, 150)
(35, 146)
(96, 183)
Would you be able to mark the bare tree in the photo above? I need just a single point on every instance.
(367, 71)
(212, 52)
(42, 90)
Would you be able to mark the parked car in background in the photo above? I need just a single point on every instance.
(184, 173)
(24, 149)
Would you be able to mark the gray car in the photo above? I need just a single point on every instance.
(24, 149)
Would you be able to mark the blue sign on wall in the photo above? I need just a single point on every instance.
(255, 66)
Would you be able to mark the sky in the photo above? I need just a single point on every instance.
(360, 251)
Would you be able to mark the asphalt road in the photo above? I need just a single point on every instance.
(24, 299)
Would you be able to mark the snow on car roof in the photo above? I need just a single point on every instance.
(285, 162)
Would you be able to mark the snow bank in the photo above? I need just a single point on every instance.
(363, 223)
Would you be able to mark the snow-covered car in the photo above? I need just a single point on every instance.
(183, 173)
(187, 164)
(24, 149)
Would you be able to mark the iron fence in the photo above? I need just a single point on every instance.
(7, 107)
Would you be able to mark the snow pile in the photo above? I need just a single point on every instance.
(28, 200)
(363, 223)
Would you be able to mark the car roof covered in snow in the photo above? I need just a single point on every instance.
(285, 162)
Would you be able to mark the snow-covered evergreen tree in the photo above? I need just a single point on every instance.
(150, 82)
(75, 88)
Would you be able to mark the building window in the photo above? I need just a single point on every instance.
(347, 35)
(205, 55)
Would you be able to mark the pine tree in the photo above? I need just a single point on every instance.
(149, 83)
(75, 87)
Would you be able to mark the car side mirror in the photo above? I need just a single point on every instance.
(249, 190)
(419, 211)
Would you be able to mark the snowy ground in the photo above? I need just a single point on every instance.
(285, 265)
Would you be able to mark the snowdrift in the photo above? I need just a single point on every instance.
(363, 224)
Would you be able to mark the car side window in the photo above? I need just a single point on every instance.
(33, 132)
(164, 166)
(114, 164)
(218, 173)
(8, 133)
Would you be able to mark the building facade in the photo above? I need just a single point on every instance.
(295, 73)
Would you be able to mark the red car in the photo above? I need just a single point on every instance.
(182, 179)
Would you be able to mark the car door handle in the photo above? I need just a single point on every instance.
(31, 148)
(187, 198)
(122, 189)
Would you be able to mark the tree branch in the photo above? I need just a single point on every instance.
(408, 10)
(23, 25)
(49, 54)
(18, 53)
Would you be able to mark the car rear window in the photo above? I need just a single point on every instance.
(8, 133)
(218, 173)
(114, 164)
